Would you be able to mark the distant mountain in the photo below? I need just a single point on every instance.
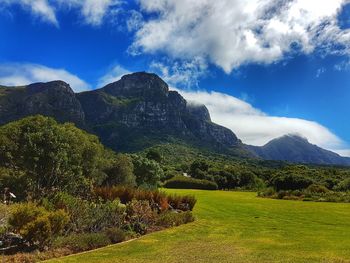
(296, 149)
(131, 114)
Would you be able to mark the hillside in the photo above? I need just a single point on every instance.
(293, 148)
(131, 114)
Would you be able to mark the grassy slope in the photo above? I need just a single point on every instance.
(239, 227)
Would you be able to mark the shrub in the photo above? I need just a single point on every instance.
(314, 188)
(36, 224)
(183, 182)
(88, 216)
(82, 242)
(158, 200)
(37, 231)
(115, 235)
(140, 215)
(169, 219)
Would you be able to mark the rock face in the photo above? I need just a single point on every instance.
(139, 110)
(55, 99)
(135, 112)
(296, 149)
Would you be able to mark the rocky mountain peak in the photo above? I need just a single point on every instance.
(56, 86)
(139, 84)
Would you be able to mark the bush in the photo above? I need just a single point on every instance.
(82, 242)
(158, 200)
(169, 219)
(88, 216)
(36, 224)
(140, 215)
(314, 188)
(183, 182)
(115, 235)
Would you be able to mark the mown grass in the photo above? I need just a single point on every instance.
(239, 227)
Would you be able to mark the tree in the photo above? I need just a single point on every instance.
(121, 172)
(154, 155)
(52, 156)
(199, 169)
(290, 182)
(147, 172)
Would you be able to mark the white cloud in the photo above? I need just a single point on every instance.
(17, 74)
(114, 74)
(181, 73)
(230, 33)
(255, 127)
(40, 8)
(92, 11)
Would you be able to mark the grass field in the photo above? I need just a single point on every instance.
(239, 227)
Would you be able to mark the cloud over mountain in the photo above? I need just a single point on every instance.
(18, 74)
(256, 127)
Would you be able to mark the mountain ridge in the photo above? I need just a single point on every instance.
(297, 149)
(131, 114)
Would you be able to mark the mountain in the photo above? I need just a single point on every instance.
(296, 149)
(134, 113)
(55, 99)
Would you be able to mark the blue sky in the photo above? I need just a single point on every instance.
(264, 68)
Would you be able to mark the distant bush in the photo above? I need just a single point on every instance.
(82, 242)
(169, 219)
(183, 182)
(315, 188)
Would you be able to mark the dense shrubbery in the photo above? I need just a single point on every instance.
(182, 182)
(159, 200)
(316, 193)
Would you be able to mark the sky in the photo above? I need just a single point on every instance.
(264, 68)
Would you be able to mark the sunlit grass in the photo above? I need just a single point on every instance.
(239, 227)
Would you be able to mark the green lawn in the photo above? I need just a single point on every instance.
(239, 227)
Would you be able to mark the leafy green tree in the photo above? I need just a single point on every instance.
(148, 172)
(154, 155)
(290, 182)
(52, 156)
(121, 172)
(344, 185)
